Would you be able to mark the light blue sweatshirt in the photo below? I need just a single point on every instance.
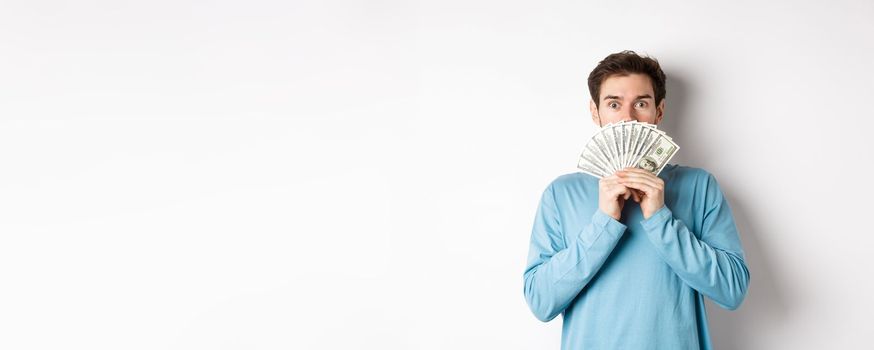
(635, 283)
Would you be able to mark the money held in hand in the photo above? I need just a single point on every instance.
(626, 144)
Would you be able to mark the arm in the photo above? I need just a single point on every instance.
(556, 273)
(713, 265)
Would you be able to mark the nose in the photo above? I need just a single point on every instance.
(628, 114)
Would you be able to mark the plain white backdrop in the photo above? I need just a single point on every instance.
(364, 174)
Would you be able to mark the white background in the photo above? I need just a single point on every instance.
(364, 174)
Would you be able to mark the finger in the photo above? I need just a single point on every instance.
(640, 185)
(618, 191)
(609, 181)
(637, 170)
(651, 180)
(635, 183)
(611, 177)
(639, 173)
(638, 194)
(636, 173)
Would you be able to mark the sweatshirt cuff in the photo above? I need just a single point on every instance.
(657, 219)
(607, 223)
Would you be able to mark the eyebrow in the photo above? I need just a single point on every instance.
(612, 97)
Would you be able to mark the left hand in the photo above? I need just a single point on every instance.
(650, 187)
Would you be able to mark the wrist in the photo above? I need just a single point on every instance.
(612, 214)
(649, 213)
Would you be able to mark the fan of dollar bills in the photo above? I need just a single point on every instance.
(626, 144)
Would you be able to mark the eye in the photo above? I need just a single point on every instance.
(612, 104)
(641, 104)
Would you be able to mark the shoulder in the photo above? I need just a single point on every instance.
(572, 180)
(571, 187)
(688, 174)
(696, 182)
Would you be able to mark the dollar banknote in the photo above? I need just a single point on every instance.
(626, 144)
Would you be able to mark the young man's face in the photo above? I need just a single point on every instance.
(628, 98)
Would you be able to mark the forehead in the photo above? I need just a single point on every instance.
(626, 86)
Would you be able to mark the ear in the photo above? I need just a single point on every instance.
(594, 109)
(660, 111)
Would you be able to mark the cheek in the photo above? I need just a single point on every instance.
(609, 115)
(648, 115)
(608, 119)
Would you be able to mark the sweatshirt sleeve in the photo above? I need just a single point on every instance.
(713, 265)
(556, 272)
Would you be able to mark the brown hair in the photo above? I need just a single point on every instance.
(625, 63)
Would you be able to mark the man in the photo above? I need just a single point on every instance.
(628, 259)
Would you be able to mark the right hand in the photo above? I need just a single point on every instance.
(612, 196)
